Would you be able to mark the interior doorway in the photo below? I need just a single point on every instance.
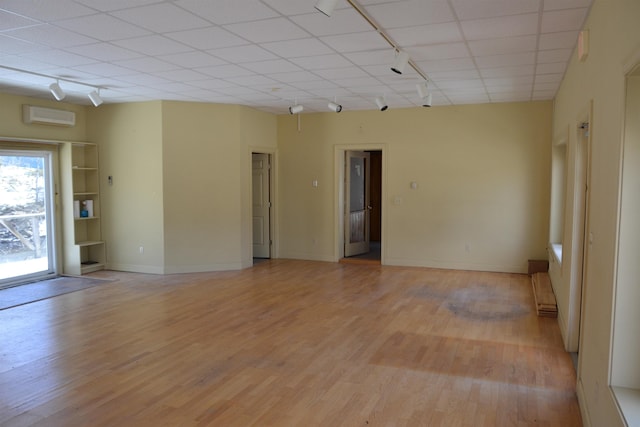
(261, 205)
(362, 206)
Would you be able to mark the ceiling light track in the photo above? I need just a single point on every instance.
(55, 88)
(385, 36)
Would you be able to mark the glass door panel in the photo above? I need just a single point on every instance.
(26, 232)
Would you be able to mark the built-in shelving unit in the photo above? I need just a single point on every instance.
(84, 249)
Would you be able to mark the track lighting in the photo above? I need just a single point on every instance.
(295, 109)
(380, 102)
(402, 59)
(326, 6)
(424, 94)
(335, 107)
(95, 97)
(57, 91)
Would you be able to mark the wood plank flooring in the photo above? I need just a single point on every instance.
(288, 343)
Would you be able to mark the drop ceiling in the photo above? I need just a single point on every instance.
(268, 54)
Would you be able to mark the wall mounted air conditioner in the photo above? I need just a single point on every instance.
(48, 116)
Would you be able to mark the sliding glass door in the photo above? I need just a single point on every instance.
(26, 216)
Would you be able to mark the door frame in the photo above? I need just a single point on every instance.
(50, 147)
(339, 194)
(273, 196)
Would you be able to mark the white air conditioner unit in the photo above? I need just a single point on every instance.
(48, 116)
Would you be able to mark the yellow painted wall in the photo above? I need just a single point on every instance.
(207, 182)
(482, 171)
(614, 46)
(130, 141)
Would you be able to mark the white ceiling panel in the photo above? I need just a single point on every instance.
(506, 26)
(265, 53)
(102, 27)
(503, 45)
(228, 11)
(268, 30)
(426, 34)
(466, 10)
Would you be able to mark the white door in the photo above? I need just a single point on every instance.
(357, 209)
(261, 205)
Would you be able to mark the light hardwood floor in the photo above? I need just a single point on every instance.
(288, 343)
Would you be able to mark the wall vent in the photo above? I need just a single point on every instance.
(48, 116)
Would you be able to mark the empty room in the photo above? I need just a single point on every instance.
(333, 212)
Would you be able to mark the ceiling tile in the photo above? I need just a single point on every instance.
(152, 45)
(510, 97)
(557, 55)
(193, 59)
(461, 84)
(10, 21)
(250, 81)
(511, 81)
(411, 13)
(549, 78)
(268, 30)
(341, 73)
(342, 21)
(566, 4)
(222, 71)
(551, 68)
(320, 62)
(50, 35)
(297, 48)
(439, 51)
(182, 75)
(228, 11)
(354, 82)
(466, 10)
(10, 45)
(563, 20)
(369, 40)
(105, 69)
(372, 57)
(103, 52)
(426, 34)
(58, 57)
(146, 64)
(272, 66)
(207, 38)
(161, 17)
(45, 11)
(102, 27)
(454, 74)
(564, 39)
(242, 54)
(288, 7)
(503, 45)
(519, 70)
(506, 60)
(106, 6)
(454, 64)
(295, 77)
(508, 26)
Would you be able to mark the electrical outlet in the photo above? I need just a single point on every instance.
(141, 249)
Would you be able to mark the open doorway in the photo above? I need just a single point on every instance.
(261, 205)
(362, 213)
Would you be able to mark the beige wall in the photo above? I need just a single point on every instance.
(130, 141)
(614, 46)
(482, 200)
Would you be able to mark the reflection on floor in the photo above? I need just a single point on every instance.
(371, 257)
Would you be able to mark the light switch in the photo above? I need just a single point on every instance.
(397, 200)
(413, 185)
(314, 183)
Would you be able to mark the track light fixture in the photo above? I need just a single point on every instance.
(401, 61)
(295, 109)
(57, 91)
(335, 107)
(381, 103)
(326, 6)
(424, 94)
(94, 96)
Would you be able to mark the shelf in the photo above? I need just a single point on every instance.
(93, 193)
(89, 243)
(86, 218)
(82, 168)
(89, 268)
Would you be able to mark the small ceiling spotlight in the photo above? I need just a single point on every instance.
(424, 94)
(57, 91)
(335, 107)
(326, 6)
(295, 109)
(94, 96)
(401, 61)
(381, 103)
